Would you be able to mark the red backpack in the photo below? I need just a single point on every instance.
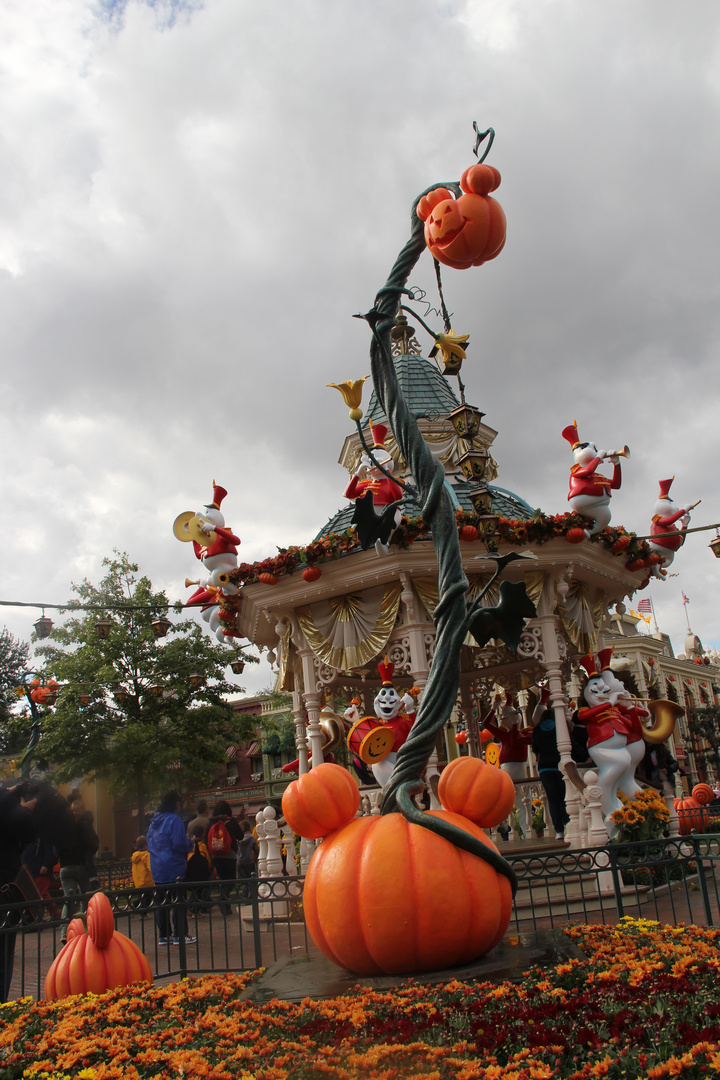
(219, 840)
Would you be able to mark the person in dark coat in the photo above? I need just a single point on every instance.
(76, 847)
(17, 830)
(225, 863)
(545, 748)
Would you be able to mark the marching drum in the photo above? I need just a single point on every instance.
(370, 740)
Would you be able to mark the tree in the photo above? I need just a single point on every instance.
(14, 725)
(704, 723)
(141, 723)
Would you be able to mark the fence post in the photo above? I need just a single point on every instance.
(616, 877)
(701, 879)
(254, 884)
(181, 925)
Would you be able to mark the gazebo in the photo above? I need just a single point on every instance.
(330, 629)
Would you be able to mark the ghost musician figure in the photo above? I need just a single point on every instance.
(376, 740)
(589, 493)
(615, 741)
(370, 488)
(215, 546)
(664, 519)
(514, 742)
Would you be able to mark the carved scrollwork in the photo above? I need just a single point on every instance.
(399, 655)
(325, 675)
(530, 647)
(429, 643)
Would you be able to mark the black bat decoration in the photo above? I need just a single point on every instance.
(507, 620)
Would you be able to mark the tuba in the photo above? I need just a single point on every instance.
(665, 713)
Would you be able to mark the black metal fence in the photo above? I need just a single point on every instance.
(243, 925)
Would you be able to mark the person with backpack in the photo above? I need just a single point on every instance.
(223, 838)
(199, 866)
(247, 856)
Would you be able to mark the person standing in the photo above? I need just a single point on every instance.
(169, 846)
(247, 856)
(141, 872)
(76, 847)
(224, 835)
(17, 830)
(545, 748)
(200, 818)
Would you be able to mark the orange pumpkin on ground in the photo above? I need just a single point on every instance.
(480, 792)
(690, 815)
(322, 800)
(98, 960)
(384, 895)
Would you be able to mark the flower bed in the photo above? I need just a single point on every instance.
(644, 1004)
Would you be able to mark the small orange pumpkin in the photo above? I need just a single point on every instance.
(575, 536)
(461, 737)
(690, 815)
(321, 801)
(703, 794)
(268, 579)
(621, 544)
(311, 573)
(98, 960)
(385, 895)
(468, 533)
(479, 792)
(467, 231)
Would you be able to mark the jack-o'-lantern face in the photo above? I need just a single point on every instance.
(387, 704)
(492, 754)
(462, 232)
(376, 746)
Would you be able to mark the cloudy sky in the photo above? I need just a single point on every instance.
(196, 197)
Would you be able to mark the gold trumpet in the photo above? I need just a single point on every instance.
(625, 452)
(665, 713)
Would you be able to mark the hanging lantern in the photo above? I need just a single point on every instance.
(157, 690)
(103, 628)
(84, 700)
(715, 544)
(481, 500)
(195, 680)
(43, 626)
(160, 626)
(121, 696)
(473, 464)
(466, 420)
(237, 666)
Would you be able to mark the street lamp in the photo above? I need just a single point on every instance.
(160, 626)
(43, 626)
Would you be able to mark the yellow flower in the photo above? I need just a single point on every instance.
(450, 346)
(352, 395)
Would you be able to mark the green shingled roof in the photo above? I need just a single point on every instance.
(425, 389)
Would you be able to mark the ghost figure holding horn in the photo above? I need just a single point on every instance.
(590, 492)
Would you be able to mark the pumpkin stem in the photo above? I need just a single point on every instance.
(450, 832)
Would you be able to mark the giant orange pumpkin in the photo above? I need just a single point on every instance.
(98, 960)
(690, 815)
(469, 230)
(322, 800)
(385, 895)
(482, 793)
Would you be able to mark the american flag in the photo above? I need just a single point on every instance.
(644, 606)
(685, 599)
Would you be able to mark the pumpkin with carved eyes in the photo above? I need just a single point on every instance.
(469, 230)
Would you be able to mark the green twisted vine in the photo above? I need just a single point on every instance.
(451, 613)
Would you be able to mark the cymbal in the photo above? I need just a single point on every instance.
(196, 533)
(180, 526)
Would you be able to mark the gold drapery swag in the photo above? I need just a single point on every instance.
(581, 613)
(348, 631)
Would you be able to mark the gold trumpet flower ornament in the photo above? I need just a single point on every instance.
(450, 347)
(352, 395)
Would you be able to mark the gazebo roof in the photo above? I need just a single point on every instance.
(426, 391)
